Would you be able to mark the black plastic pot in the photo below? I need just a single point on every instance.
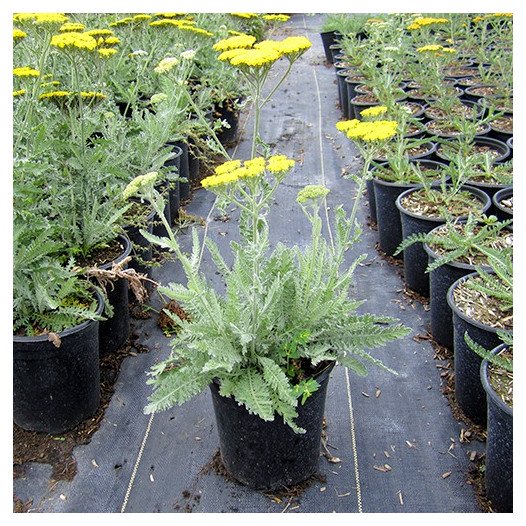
(174, 164)
(269, 455)
(54, 389)
(328, 38)
(387, 214)
(371, 199)
(334, 49)
(342, 92)
(501, 211)
(475, 97)
(440, 281)
(225, 112)
(351, 83)
(114, 331)
(469, 392)
(184, 171)
(501, 147)
(509, 144)
(499, 445)
(415, 257)
(499, 133)
(422, 156)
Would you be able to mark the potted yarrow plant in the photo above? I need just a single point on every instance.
(265, 347)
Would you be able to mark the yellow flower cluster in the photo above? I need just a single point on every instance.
(74, 40)
(90, 96)
(55, 95)
(72, 26)
(426, 21)
(50, 83)
(311, 192)
(41, 18)
(106, 52)
(263, 53)
(19, 92)
(111, 41)
(373, 111)
(26, 71)
(121, 22)
(245, 15)
(100, 33)
(276, 18)
(435, 48)
(368, 131)
(240, 41)
(185, 25)
(140, 182)
(493, 15)
(141, 17)
(18, 34)
(232, 171)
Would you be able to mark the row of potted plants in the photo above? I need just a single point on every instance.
(97, 100)
(440, 190)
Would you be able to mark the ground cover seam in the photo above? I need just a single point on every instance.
(149, 425)
(347, 381)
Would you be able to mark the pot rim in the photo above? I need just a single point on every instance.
(462, 315)
(486, 202)
(66, 332)
(383, 182)
(492, 141)
(502, 194)
(490, 392)
(126, 252)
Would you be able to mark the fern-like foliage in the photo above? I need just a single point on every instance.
(485, 354)
(48, 295)
(461, 239)
(283, 312)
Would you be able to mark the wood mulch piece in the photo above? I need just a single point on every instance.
(57, 450)
(476, 479)
(165, 322)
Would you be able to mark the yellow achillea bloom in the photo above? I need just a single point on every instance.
(26, 71)
(72, 26)
(435, 48)
(280, 164)
(255, 57)
(294, 45)
(19, 92)
(41, 18)
(276, 18)
(233, 171)
(74, 40)
(18, 34)
(234, 33)
(196, 30)
(229, 54)
(311, 191)
(106, 53)
(236, 42)
(245, 15)
(92, 95)
(141, 181)
(139, 18)
(373, 111)
(426, 21)
(121, 22)
(99, 33)
(368, 131)
(55, 95)
(112, 41)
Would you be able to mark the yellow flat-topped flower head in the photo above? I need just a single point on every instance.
(41, 18)
(235, 42)
(166, 64)
(228, 166)
(374, 111)
(53, 95)
(421, 22)
(275, 17)
(19, 92)
(26, 71)
(280, 164)
(122, 22)
(292, 45)
(245, 15)
(74, 40)
(18, 34)
(368, 131)
(100, 33)
(106, 52)
(255, 58)
(72, 26)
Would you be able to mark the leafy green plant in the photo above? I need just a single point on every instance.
(286, 312)
(467, 240)
(345, 23)
(485, 354)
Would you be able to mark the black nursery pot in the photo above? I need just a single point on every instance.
(469, 392)
(503, 213)
(499, 146)
(193, 162)
(174, 164)
(54, 389)
(387, 214)
(342, 92)
(499, 445)
(371, 199)
(328, 38)
(269, 455)
(227, 136)
(114, 331)
(415, 257)
(184, 171)
(440, 280)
